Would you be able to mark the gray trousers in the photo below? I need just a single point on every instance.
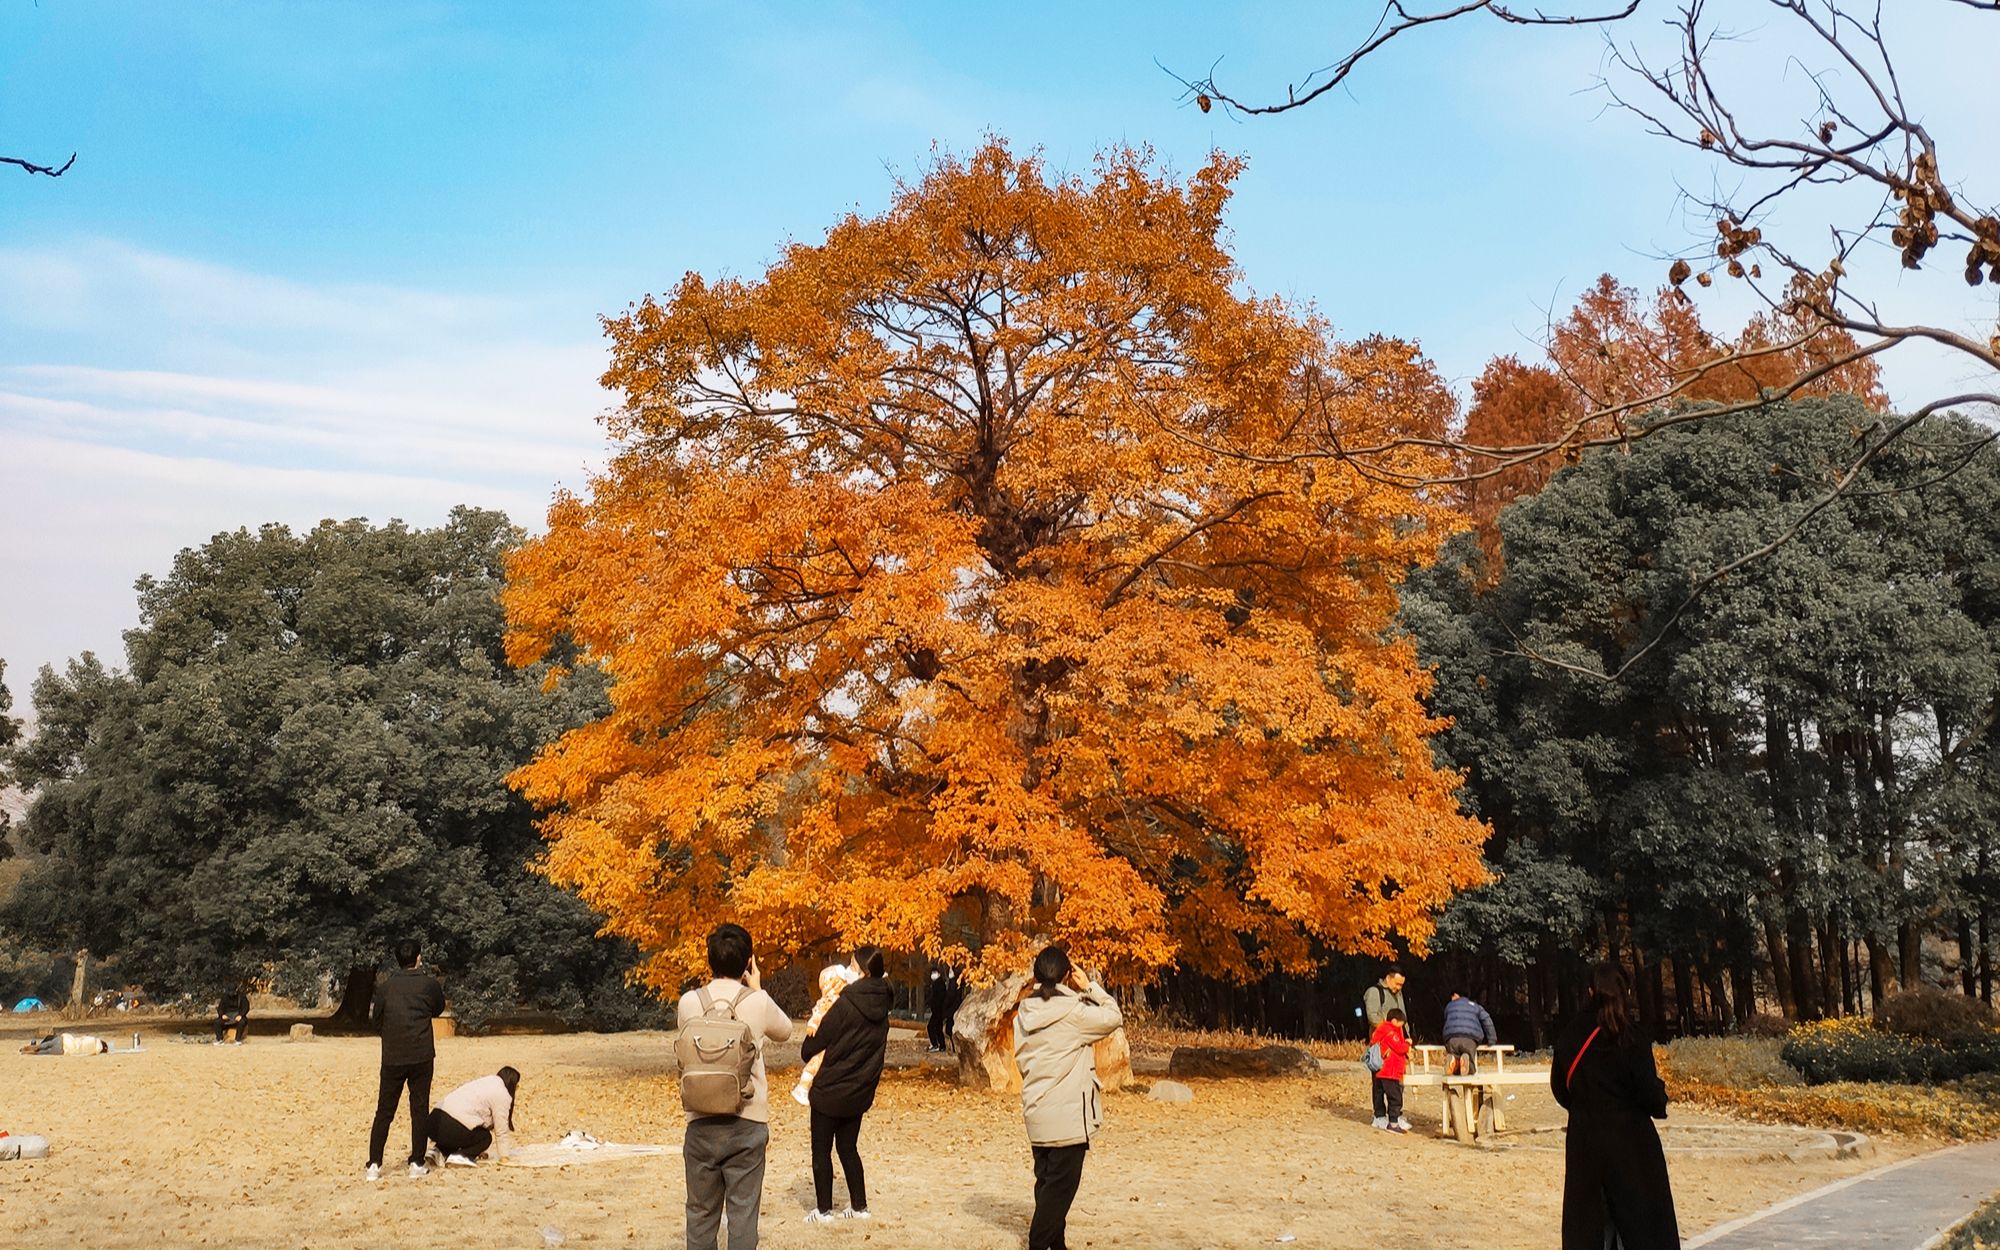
(724, 1157)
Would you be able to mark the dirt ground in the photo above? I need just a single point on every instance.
(263, 1146)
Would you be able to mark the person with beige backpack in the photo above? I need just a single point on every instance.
(722, 1028)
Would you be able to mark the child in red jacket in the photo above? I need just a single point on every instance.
(1395, 1044)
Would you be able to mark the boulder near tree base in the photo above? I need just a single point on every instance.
(1227, 1062)
(983, 1032)
(956, 583)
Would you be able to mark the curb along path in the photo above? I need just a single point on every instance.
(1903, 1206)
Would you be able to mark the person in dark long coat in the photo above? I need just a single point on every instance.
(854, 1037)
(1615, 1189)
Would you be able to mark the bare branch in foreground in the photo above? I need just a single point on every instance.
(53, 171)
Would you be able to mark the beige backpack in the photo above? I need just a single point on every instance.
(717, 1054)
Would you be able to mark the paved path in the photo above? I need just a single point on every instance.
(1903, 1206)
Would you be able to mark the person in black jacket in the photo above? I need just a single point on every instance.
(405, 1003)
(232, 1011)
(855, 1039)
(954, 999)
(937, 1005)
(1615, 1175)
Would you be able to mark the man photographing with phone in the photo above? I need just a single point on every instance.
(1055, 1030)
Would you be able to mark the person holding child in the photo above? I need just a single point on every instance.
(1392, 1038)
(832, 980)
(851, 1043)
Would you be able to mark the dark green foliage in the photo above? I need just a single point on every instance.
(305, 762)
(1798, 761)
(10, 732)
(33, 974)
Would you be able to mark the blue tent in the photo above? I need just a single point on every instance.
(28, 1004)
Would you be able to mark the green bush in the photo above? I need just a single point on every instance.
(1853, 1049)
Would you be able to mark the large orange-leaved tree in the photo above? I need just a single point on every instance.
(959, 586)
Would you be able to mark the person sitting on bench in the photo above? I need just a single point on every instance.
(232, 1014)
(1466, 1025)
(472, 1117)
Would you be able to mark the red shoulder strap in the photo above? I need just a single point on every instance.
(1571, 1074)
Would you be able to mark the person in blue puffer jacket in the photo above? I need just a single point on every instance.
(1466, 1025)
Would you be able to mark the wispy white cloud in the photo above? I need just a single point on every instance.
(148, 402)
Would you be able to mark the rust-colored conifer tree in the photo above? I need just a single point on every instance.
(1611, 353)
(958, 587)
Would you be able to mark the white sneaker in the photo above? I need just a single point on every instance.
(374, 1171)
(458, 1161)
(1380, 1121)
(821, 1217)
(418, 1171)
(852, 1214)
(1403, 1124)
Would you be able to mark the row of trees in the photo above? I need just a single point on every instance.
(1791, 787)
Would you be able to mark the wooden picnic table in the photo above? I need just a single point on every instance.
(1471, 1104)
(1499, 1053)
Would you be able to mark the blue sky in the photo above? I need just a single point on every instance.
(347, 259)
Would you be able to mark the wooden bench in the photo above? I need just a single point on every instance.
(1499, 1053)
(1472, 1103)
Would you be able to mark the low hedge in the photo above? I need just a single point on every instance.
(1855, 1049)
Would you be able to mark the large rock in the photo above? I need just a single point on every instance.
(1225, 1062)
(1170, 1091)
(983, 1031)
(302, 1033)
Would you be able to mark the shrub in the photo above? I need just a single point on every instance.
(1979, 1232)
(1935, 1015)
(1853, 1049)
(1764, 1024)
(1959, 1111)
(1744, 1062)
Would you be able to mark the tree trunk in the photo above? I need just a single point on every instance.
(1781, 971)
(1804, 985)
(1881, 974)
(1538, 1003)
(1850, 987)
(1683, 997)
(983, 1031)
(1743, 978)
(1910, 946)
(76, 1002)
(1985, 950)
(355, 999)
(1967, 979)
